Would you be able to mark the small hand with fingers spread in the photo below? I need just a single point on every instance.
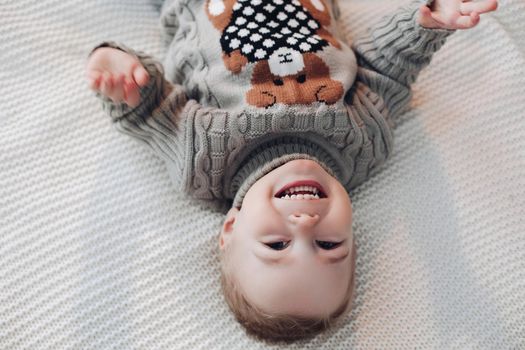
(454, 14)
(117, 75)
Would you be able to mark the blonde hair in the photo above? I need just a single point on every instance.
(285, 328)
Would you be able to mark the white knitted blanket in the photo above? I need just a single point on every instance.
(97, 251)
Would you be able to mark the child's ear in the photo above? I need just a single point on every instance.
(227, 227)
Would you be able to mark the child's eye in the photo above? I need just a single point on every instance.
(278, 245)
(328, 245)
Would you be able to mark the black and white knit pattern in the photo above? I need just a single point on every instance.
(259, 28)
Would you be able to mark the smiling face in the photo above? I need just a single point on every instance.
(290, 247)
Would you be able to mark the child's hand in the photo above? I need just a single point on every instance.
(454, 14)
(117, 75)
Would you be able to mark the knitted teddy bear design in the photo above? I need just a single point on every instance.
(281, 38)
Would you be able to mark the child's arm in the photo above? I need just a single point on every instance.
(395, 51)
(143, 104)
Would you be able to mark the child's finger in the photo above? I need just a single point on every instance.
(106, 84)
(427, 18)
(117, 93)
(466, 22)
(140, 75)
(131, 94)
(94, 79)
(466, 8)
(424, 12)
(438, 21)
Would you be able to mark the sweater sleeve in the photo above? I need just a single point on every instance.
(161, 120)
(169, 22)
(392, 55)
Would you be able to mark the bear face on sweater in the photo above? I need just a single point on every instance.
(280, 38)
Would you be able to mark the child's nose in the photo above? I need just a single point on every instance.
(304, 219)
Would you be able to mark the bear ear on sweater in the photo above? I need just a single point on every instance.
(318, 10)
(219, 12)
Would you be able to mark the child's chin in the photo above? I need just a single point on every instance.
(304, 167)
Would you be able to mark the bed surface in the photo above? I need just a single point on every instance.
(97, 250)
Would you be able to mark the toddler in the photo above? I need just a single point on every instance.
(264, 105)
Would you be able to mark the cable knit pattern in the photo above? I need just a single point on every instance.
(98, 251)
(352, 138)
(185, 62)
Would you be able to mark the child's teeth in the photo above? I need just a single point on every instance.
(301, 196)
(291, 193)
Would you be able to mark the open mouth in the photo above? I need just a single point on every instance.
(301, 190)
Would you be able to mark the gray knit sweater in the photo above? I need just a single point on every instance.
(259, 83)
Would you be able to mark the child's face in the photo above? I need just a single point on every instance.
(292, 256)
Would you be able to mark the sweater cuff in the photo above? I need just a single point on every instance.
(410, 39)
(151, 95)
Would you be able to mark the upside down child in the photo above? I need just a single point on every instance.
(262, 104)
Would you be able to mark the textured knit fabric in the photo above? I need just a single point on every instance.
(215, 153)
(227, 53)
(261, 28)
(98, 251)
